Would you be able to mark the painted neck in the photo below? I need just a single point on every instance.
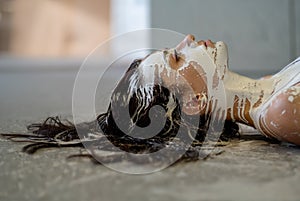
(244, 95)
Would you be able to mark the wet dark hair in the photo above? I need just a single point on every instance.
(55, 133)
(139, 111)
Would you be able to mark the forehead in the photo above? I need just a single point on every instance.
(154, 58)
(187, 55)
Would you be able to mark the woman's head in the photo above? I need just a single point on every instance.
(192, 68)
(177, 79)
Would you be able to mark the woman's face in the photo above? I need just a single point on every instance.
(193, 67)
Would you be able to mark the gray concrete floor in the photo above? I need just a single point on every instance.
(246, 170)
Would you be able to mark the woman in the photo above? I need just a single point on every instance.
(189, 81)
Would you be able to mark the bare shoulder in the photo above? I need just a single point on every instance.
(281, 118)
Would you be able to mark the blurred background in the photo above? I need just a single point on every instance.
(261, 35)
(44, 42)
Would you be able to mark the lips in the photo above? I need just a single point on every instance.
(207, 43)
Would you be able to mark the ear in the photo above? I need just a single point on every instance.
(194, 105)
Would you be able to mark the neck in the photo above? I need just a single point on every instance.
(244, 95)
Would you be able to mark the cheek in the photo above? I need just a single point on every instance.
(194, 101)
(195, 79)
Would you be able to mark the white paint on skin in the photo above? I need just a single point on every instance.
(258, 94)
(274, 124)
(291, 98)
(151, 69)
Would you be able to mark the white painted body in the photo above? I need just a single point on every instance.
(200, 71)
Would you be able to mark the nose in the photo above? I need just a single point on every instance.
(189, 38)
(186, 41)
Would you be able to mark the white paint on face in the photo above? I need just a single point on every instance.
(212, 60)
(209, 58)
